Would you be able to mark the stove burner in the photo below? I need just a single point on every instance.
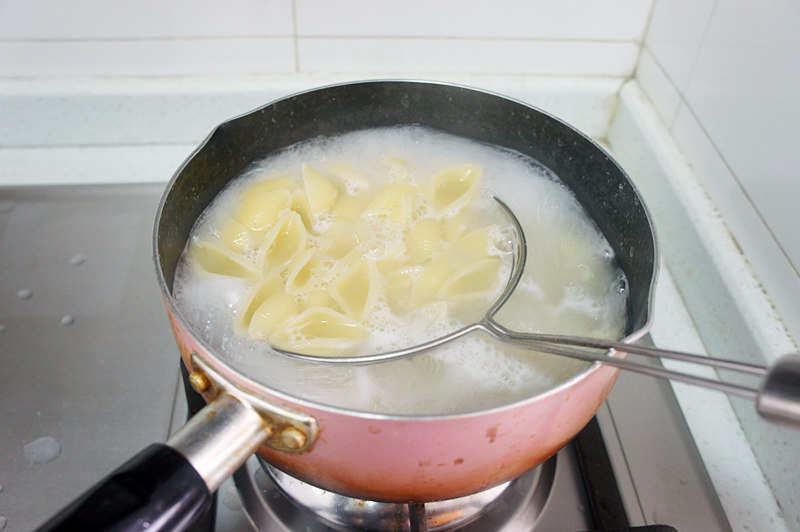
(274, 500)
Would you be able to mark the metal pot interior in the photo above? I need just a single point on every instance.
(598, 183)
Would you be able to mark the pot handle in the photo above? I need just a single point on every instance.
(167, 486)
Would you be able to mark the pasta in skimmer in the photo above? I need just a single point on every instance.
(376, 240)
(326, 247)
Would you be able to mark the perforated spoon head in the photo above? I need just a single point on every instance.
(520, 247)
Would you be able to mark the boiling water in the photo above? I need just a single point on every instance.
(570, 285)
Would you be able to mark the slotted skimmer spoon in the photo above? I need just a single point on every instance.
(777, 397)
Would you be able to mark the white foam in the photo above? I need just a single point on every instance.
(568, 287)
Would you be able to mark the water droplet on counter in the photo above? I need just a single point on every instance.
(78, 259)
(3, 522)
(67, 319)
(42, 451)
(25, 294)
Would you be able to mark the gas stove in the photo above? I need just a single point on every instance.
(91, 375)
(590, 484)
(90, 367)
(586, 486)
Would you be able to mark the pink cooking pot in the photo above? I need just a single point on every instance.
(387, 458)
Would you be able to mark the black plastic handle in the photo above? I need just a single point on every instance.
(157, 490)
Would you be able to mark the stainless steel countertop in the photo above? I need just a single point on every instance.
(83, 342)
(89, 363)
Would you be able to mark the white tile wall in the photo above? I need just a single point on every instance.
(608, 20)
(745, 94)
(46, 38)
(147, 57)
(724, 76)
(143, 19)
(660, 90)
(524, 57)
(676, 33)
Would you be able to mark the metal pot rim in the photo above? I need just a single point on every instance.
(257, 389)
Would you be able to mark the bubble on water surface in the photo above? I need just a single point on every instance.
(621, 285)
(42, 451)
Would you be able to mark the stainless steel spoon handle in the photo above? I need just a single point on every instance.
(777, 398)
(779, 395)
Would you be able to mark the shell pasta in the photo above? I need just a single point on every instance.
(328, 251)
(402, 243)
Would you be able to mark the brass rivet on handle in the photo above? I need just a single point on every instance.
(293, 438)
(199, 381)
